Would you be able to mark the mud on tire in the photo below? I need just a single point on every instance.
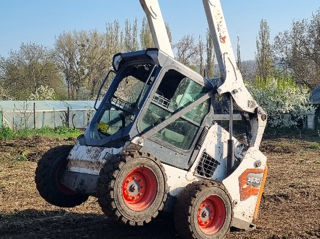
(203, 211)
(47, 178)
(132, 188)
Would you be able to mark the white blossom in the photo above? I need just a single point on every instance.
(286, 103)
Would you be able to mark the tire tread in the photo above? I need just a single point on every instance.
(45, 182)
(107, 180)
(184, 207)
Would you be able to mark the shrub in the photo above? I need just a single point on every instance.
(6, 133)
(22, 156)
(314, 145)
(67, 132)
(286, 103)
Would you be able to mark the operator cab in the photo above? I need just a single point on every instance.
(150, 97)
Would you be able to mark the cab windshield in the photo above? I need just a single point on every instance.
(133, 84)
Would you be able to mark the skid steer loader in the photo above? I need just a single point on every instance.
(153, 143)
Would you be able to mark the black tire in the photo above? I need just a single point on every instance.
(50, 167)
(212, 195)
(132, 188)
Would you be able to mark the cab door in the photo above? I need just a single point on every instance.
(174, 143)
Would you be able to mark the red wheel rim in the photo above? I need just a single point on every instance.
(59, 173)
(211, 215)
(139, 189)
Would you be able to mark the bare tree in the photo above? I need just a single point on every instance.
(84, 59)
(186, 50)
(145, 35)
(210, 56)
(264, 58)
(239, 54)
(297, 52)
(94, 60)
(4, 95)
(247, 68)
(114, 39)
(201, 57)
(25, 70)
(131, 42)
(197, 55)
(169, 32)
(312, 49)
(67, 57)
(81, 58)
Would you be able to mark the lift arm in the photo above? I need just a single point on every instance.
(230, 73)
(157, 26)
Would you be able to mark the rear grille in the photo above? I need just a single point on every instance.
(207, 166)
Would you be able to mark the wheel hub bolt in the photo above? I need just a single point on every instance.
(132, 188)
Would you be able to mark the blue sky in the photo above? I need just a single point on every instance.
(41, 21)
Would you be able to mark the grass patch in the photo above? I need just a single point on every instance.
(59, 132)
(305, 134)
(314, 145)
(22, 156)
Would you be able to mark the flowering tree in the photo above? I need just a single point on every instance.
(43, 93)
(286, 103)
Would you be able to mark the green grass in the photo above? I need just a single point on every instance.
(59, 132)
(22, 156)
(305, 134)
(314, 145)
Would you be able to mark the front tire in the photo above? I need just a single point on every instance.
(48, 174)
(132, 188)
(203, 211)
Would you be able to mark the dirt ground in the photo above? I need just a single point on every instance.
(290, 206)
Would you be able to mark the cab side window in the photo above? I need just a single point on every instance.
(174, 93)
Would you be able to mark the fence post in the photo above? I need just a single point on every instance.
(1, 118)
(34, 115)
(68, 117)
(1, 123)
(13, 123)
(54, 118)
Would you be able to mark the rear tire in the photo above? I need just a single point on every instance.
(132, 188)
(48, 173)
(203, 211)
